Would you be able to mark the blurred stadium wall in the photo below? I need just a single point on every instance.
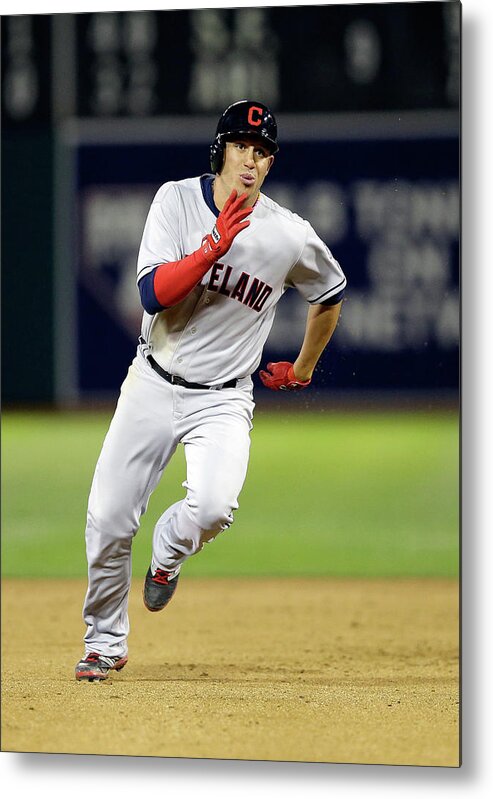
(99, 109)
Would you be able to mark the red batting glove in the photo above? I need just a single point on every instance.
(229, 223)
(281, 377)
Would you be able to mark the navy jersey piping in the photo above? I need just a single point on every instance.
(206, 182)
(321, 296)
(335, 299)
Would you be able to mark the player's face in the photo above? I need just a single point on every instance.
(246, 164)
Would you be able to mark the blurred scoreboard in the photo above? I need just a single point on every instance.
(299, 59)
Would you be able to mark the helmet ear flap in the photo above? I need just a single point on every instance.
(216, 155)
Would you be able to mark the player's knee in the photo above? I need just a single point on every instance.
(213, 514)
(112, 519)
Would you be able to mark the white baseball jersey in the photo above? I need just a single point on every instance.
(218, 331)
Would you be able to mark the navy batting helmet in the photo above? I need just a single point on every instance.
(244, 118)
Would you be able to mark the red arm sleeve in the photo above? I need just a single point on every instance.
(175, 280)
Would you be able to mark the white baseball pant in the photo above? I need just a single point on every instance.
(151, 418)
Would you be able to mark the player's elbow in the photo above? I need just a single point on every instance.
(148, 298)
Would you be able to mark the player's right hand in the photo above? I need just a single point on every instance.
(230, 221)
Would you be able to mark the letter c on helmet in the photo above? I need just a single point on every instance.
(257, 119)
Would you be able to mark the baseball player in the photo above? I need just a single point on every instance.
(216, 257)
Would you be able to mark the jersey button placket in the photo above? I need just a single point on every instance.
(192, 335)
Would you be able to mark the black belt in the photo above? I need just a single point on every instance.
(179, 381)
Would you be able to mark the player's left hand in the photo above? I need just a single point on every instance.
(281, 377)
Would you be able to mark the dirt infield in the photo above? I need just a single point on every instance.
(323, 670)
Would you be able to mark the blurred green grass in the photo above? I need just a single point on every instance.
(327, 493)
